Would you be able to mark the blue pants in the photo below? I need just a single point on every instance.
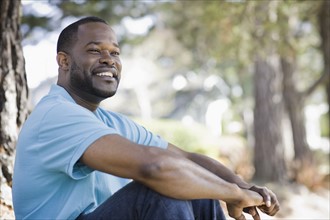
(137, 202)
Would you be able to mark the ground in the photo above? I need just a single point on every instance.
(297, 203)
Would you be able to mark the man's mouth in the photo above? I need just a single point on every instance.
(105, 74)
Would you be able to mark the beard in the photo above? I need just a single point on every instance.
(82, 81)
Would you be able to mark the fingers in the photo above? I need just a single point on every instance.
(255, 215)
(272, 205)
(241, 217)
(272, 210)
(253, 212)
(268, 210)
(253, 198)
(259, 197)
(264, 192)
(275, 207)
(235, 212)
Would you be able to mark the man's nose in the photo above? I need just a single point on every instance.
(106, 58)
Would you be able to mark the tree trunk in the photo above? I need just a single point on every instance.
(294, 103)
(269, 151)
(13, 84)
(304, 166)
(324, 27)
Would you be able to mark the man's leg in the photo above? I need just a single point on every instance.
(136, 201)
(207, 209)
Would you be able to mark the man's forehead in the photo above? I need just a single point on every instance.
(92, 27)
(96, 32)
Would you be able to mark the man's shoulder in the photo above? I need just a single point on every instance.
(56, 109)
(113, 118)
(57, 95)
(108, 113)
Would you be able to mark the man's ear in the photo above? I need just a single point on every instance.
(63, 60)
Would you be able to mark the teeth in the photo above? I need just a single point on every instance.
(105, 74)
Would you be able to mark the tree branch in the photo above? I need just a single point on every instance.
(323, 79)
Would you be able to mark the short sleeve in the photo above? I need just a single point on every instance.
(67, 131)
(131, 130)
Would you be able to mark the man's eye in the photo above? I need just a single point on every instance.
(115, 53)
(94, 50)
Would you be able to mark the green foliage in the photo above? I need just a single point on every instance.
(113, 11)
(193, 138)
(324, 124)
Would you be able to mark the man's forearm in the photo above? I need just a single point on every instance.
(219, 169)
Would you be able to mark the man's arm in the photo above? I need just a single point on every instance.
(213, 166)
(271, 203)
(164, 171)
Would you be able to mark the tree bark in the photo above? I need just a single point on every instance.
(294, 99)
(269, 160)
(13, 84)
(294, 103)
(269, 151)
(324, 29)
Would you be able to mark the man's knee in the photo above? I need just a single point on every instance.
(153, 205)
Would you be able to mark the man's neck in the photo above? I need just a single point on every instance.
(90, 105)
(82, 102)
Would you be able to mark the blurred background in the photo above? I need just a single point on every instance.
(245, 82)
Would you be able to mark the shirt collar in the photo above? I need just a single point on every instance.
(59, 90)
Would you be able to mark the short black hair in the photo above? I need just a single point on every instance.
(68, 36)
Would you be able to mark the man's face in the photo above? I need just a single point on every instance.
(95, 69)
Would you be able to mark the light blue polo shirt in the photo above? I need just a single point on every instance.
(48, 182)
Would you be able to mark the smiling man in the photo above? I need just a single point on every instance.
(75, 160)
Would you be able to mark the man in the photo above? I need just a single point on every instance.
(74, 159)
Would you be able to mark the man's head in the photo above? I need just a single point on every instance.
(88, 59)
(68, 36)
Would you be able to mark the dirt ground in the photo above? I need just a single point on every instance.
(297, 203)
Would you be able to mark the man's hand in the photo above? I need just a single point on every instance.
(271, 205)
(268, 204)
(237, 213)
(249, 201)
